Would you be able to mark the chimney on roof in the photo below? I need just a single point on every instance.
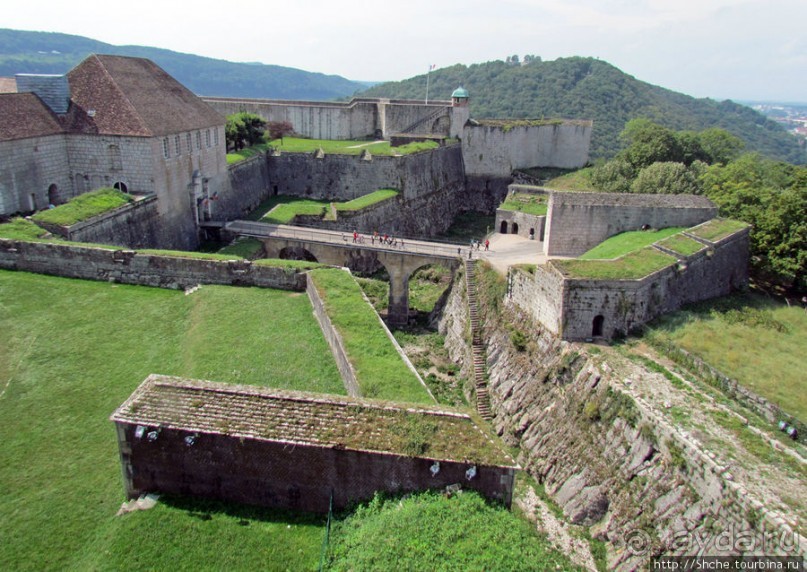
(51, 89)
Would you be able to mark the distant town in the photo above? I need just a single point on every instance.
(793, 116)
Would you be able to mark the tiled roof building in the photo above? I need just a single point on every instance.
(111, 121)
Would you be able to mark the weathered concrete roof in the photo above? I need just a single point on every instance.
(23, 115)
(630, 199)
(117, 95)
(308, 418)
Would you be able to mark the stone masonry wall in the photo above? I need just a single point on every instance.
(357, 119)
(577, 222)
(334, 340)
(283, 475)
(346, 177)
(134, 225)
(131, 267)
(29, 167)
(497, 151)
(627, 304)
(567, 306)
(525, 222)
(611, 471)
(539, 294)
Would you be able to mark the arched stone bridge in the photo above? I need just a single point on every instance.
(338, 249)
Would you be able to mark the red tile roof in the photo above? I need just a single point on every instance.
(23, 115)
(116, 95)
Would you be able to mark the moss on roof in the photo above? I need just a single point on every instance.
(312, 419)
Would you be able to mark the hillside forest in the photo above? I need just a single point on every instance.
(588, 88)
(770, 195)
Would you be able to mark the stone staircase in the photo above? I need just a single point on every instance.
(477, 348)
(431, 117)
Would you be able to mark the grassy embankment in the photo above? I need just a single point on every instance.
(430, 531)
(282, 209)
(330, 147)
(84, 207)
(628, 255)
(72, 352)
(526, 203)
(380, 371)
(749, 337)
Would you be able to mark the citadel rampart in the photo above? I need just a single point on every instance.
(577, 222)
(132, 267)
(296, 450)
(496, 150)
(605, 454)
(357, 119)
(577, 309)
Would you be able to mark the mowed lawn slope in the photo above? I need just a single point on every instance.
(71, 352)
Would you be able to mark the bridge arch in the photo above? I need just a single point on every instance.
(399, 263)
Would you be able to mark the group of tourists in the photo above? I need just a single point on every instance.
(382, 240)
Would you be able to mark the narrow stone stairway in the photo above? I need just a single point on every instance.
(477, 348)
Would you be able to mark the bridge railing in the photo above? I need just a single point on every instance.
(338, 238)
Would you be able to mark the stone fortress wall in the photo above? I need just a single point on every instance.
(577, 222)
(569, 307)
(499, 150)
(356, 119)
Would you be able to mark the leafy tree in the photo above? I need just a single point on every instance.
(613, 177)
(235, 132)
(279, 129)
(719, 145)
(648, 143)
(243, 129)
(772, 197)
(667, 178)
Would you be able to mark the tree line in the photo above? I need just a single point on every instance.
(770, 195)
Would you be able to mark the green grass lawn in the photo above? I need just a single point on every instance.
(84, 207)
(281, 209)
(429, 531)
(526, 203)
(579, 180)
(750, 338)
(21, 229)
(380, 371)
(718, 228)
(681, 244)
(246, 153)
(626, 242)
(632, 266)
(331, 147)
(72, 352)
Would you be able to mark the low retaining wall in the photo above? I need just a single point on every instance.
(132, 267)
(334, 340)
(135, 225)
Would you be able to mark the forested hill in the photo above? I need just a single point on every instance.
(587, 88)
(43, 52)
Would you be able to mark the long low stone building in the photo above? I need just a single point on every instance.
(296, 450)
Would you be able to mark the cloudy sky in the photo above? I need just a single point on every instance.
(737, 49)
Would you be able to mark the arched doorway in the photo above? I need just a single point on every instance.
(514, 228)
(121, 186)
(503, 227)
(596, 326)
(53, 195)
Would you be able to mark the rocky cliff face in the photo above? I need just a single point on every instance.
(588, 428)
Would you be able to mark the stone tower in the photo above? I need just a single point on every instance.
(460, 111)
